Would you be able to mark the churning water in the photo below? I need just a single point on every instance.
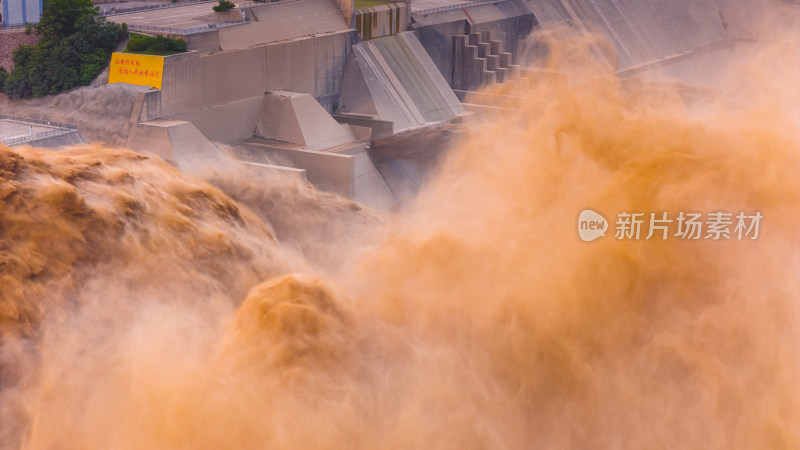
(141, 307)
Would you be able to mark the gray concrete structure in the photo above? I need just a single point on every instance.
(181, 144)
(21, 131)
(290, 171)
(392, 79)
(383, 20)
(351, 175)
(268, 87)
(175, 141)
(179, 17)
(294, 131)
(634, 37)
(509, 22)
(479, 60)
(297, 118)
(14, 130)
(221, 92)
(640, 31)
(347, 7)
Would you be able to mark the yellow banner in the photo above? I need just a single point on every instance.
(144, 70)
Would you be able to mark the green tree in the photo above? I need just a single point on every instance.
(155, 45)
(223, 5)
(69, 54)
(60, 18)
(3, 77)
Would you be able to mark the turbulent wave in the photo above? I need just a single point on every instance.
(144, 308)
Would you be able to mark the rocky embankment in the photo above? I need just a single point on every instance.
(9, 42)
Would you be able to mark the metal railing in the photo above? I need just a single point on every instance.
(30, 121)
(34, 137)
(255, 3)
(242, 5)
(60, 129)
(455, 6)
(186, 31)
(115, 11)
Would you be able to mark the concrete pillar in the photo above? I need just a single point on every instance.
(505, 59)
(492, 62)
(501, 74)
(484, 49)
(497, 47)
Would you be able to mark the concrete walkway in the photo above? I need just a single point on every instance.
(13, 130)
(180, 17)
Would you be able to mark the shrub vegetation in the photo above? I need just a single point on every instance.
(223, 5)
(155, 45)
(75, 46)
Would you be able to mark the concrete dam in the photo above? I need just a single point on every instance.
(503, 224)
(387, 70)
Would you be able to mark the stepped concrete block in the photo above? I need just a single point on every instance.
(489, 77)
(501, 74)
(492, 62)
(484, 49)
(505, 59)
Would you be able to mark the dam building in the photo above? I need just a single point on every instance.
(20, 12)
(310, 84)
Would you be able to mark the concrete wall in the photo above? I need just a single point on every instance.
(352, 175)
(642, 31)
(151, 108)
(63, 140)
(202, 42)
(393, 79)
(479, 60)
(271, 168)
(312, 65)
(328, 171)
(438, 42)
(153, 140)
(178, 142)
(348, 8)
(509, 22)
(706, 66)
(379, 128)
(207, 89)
(511, 31)
(147, 106)
(194, 81)
(226, 123)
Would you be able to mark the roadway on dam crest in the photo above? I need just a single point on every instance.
(179, 17)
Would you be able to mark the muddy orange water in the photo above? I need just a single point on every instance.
(141, 307)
